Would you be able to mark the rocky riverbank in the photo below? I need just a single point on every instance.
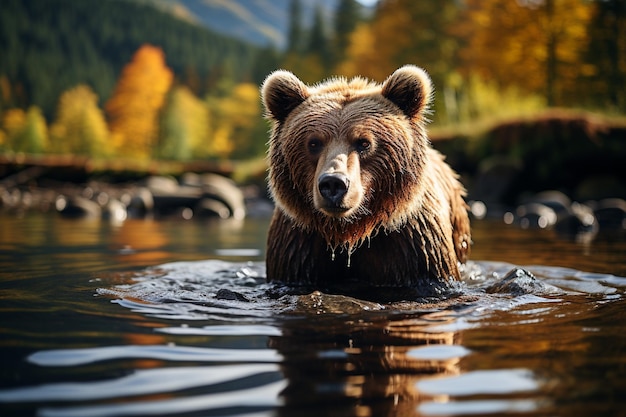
(191, 196)
(559, 170)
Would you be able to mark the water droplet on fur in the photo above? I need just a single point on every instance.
(350, 251)
(332, 255)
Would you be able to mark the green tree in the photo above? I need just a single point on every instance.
(605, 57)
(184, 126)
(318, 44)
(346, 20)
(80, 127)
(295, 34)
(266, 60)
(305, 59)
(26, 131)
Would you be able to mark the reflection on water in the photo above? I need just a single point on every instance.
(50, 243)
(605, 254)
(132, 319)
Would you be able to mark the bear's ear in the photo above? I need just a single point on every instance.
(282, 92)
(410, 89)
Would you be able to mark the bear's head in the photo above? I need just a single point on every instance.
(347, 157)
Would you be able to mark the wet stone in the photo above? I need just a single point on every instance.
(519, 281)
(225, 294)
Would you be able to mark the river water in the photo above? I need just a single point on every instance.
(173, 317)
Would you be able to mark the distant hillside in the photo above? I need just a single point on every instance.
(262, 22)
(48, 46)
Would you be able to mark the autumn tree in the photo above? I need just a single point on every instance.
(534, 45)
(358, 58)
(134, 107)
(406, 32)
(80, 127)
(13, 121)
(235, 119)
(25, 131)
(184, 126)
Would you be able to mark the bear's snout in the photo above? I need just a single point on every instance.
(333, 187)
(338, 191)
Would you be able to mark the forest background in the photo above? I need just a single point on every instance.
(122, 79)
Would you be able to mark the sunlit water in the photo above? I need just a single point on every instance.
(174, 318)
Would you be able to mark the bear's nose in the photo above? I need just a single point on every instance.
(333, 187)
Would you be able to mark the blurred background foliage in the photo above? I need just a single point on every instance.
(125, 79)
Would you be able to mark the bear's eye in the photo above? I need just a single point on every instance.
(314, 145)
(362, 145)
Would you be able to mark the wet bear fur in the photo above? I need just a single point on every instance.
(364, 205)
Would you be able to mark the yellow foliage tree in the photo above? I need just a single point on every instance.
(532, 44)
(26, 131)
(235, 118)
(138, 97)
(403, 32)
(308, 67)
(80, 127)
(360, 59)
(13, 122)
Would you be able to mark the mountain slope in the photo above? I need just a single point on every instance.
(262, 22)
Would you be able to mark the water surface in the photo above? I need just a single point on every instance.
(174, 318)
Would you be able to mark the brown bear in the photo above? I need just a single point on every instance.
(364, 205)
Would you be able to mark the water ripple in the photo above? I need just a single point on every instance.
(74, 357)
(477, 407)
(236, 294)
(266, 397)
(501, 381)
(140, 382)
(438, 352)
(224, 330)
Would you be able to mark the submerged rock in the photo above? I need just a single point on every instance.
(225, 294)
(519, 281)
(321, 303)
